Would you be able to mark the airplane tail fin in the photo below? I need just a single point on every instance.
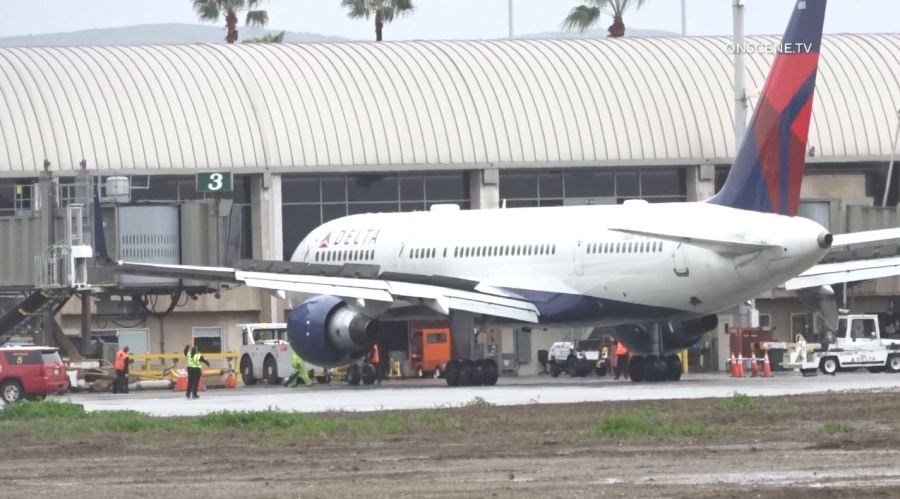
(768, 169)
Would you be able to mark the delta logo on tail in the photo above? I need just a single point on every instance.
(768, 170)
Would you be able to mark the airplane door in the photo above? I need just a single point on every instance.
(679, 260)
(578, 257)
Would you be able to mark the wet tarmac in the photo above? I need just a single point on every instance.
(425, 394)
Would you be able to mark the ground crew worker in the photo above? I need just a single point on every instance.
(375, 359)
(621, 360)
(120, 385)
(299, 374)
(194, 358)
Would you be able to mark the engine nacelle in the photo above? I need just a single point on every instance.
(639, 338)
(326, 332)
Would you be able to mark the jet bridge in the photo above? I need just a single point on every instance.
(65, 232)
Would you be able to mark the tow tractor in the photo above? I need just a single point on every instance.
(266, 355)
(858, 343)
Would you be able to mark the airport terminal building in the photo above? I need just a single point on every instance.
(313, 132)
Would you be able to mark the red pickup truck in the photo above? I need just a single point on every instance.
(31, 372)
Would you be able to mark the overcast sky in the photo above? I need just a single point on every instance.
(445, 18)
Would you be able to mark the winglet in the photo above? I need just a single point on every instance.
(768, 169)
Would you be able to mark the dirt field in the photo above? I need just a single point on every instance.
(811, 446)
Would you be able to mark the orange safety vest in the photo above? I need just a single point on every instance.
(375, 355)
(121, 357)
(621, 349)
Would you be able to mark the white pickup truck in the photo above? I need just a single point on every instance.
(858, 343)
(266, 355)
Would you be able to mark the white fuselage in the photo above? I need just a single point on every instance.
(573, 263)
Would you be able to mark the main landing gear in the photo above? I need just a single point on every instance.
(654, 368)
(472, 372)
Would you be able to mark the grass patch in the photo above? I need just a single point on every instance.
(28, 410)
(73, 421)
(478, 402)
(835, 427)
(648, 422)
(740, 402)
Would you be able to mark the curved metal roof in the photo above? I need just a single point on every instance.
(424, 104)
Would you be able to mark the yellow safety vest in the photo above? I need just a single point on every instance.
(194, 360)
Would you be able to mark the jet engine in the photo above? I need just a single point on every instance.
(325, 331)
(676, 335)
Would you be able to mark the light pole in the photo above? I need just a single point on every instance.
(510, 19)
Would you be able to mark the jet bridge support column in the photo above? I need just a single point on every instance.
(701, 182)
(484, 189)
(265, 199)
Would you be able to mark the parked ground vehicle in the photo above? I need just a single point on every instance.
(578, 359)
(31, 372)
(429, 351)
(266, 355)
(858, 343)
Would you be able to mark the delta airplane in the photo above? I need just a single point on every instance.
(657, 273)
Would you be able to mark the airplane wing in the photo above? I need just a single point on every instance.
(836, 273)
(440, 298)
(718, 244)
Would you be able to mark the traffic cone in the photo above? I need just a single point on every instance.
(740, 365)
(734, 368)
(754, 366)
(767, 369)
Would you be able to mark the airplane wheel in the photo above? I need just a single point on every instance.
(653, 369)
(491, 372)
(353, 375)
(478, 373)
(466, 373)
(368, 374)
(452, 374)
(636, 368)
(673, 368)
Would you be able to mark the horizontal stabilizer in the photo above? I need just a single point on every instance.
(836, 273)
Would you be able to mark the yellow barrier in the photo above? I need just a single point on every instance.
(146, 371)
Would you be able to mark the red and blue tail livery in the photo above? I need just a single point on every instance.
(768, 170)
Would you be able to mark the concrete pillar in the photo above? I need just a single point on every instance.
(484, 189)
(265, 209)
(701, 182)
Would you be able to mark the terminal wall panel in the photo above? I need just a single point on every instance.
(148, 234)
(21, 239)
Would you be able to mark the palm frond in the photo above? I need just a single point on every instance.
(357, 8)
(207, 10)
(257, 18)
(397, 8)
(270, 38)
(581, 17)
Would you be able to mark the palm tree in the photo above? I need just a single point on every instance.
(584, 16)
(384, 11)
(270, 38)
(210, 10)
